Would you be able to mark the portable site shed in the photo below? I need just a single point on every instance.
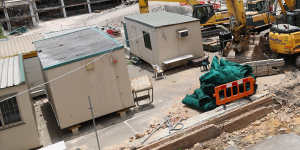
(101, 73)
(23, 45)
(164, 38)
(18, 128)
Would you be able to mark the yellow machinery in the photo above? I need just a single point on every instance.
(244, 24)
(285, 38)
(204, 12)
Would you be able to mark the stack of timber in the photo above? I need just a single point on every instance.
(266, 67)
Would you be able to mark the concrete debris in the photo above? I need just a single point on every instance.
(266, 67)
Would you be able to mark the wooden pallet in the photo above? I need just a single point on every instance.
(75, 129)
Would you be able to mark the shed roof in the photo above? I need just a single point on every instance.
(66, 31)
(11, 71)
(18, 45)
(74, 46)
(160, 19)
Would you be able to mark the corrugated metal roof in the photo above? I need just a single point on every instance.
(18, 45)
(159, 19)
(11, 71)
(74, 46)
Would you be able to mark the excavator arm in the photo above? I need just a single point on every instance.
(289, 3)
(237, 10)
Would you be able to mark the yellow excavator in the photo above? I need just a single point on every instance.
(204, 12)
(245, 24)
(284, 39)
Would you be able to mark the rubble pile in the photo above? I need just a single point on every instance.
(280, 121)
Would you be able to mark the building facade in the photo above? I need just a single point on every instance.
(18, 128)
(162, 36)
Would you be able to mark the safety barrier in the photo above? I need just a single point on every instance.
(235, 90)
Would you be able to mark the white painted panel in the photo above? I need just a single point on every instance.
(10, 76)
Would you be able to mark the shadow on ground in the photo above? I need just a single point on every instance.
(56, 134)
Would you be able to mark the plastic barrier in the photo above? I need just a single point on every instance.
(235, 90)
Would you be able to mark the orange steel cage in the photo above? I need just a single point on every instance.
(235, 90)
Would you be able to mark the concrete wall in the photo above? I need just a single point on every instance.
(33, 70)
(106, 83)
(25, 135)
(165, 42)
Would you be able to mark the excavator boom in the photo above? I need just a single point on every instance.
(237, 10)
(289, 3)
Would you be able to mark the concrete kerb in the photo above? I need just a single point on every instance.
(245, 119)
(255, 110)
(191, 138)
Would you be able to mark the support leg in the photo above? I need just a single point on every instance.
(63, 8)
(34, 22)
(89, 6)
(36, 12)
(7, 19)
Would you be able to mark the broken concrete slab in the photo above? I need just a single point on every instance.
(279, 142)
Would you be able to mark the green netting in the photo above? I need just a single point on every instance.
(221, 72)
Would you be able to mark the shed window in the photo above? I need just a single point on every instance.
(147, 40)
(9, 112)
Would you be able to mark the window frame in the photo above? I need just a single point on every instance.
(6, 126)
(147, 39)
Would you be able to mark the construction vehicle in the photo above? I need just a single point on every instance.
(247, 43)
(284, 39)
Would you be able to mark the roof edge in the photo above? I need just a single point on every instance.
(148, 25)
(84, 57)
(22, 72)
(92, 27)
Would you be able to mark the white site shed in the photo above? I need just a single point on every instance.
(100, 72)
(161, 38)
(18, 128)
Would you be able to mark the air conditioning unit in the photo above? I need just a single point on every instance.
(183, 33)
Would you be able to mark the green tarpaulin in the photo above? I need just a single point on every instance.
(221, 72)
